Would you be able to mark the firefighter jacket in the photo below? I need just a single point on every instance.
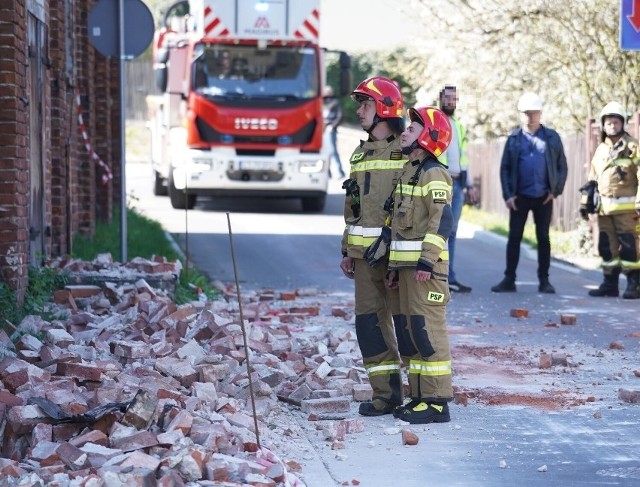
(615, 168)
(554, 157)
(463, 143)
(375, 167)
(422, 218)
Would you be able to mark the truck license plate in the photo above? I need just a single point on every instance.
(257, 165)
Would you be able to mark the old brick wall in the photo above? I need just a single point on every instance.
(14, 162)
(83, 171)
(62, 125)
(74, 194)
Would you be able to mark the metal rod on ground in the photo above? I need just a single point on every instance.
(244, 332)
(186, 227)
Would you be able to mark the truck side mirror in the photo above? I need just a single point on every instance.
(345, 74)
(160, 69)
(161, 77)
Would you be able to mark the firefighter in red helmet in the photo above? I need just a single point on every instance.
(419, 266)
(375, 164)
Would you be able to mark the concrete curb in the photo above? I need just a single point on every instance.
(527, 251)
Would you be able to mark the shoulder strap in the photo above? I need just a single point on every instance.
(426, 164)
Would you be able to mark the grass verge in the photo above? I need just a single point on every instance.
(42, 283)
(145, 238)
(573, 243)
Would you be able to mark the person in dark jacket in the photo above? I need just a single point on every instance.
(533, 172)
(332, 113)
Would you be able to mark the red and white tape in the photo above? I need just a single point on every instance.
(107, 175)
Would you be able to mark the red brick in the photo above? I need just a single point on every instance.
(628, 396)
(545, 361)
(519, 313)
(72, 456)
(83, 291)
(79, 371)
(138, 441)
(568, 319)
(409, 438)
(330, 405)
(9, 399)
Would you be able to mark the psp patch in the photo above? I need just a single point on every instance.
(395, 155)
(439, 194)
(357, 157)
(435, 297)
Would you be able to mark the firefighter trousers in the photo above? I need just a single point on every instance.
(423, 340)
(376, 337)
(618, 242)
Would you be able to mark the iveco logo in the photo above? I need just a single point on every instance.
(256, 123)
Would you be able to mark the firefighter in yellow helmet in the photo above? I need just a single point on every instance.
(614, 171)
(419, 265)
(375, 164)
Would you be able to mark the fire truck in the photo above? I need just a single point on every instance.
(241, 107)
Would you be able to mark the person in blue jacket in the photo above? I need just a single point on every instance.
(533, 172)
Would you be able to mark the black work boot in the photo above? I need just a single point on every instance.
(425, 413)
(633, 281)
(398, 411)
(507, 285)
(546, 287)
(609, 286)
(377, 407)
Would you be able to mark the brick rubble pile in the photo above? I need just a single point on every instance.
(126, 388)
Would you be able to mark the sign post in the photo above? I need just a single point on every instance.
(108, 22)
(630, 25)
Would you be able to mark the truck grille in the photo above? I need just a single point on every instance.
(301, 137)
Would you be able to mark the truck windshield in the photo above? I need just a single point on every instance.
(248, 72)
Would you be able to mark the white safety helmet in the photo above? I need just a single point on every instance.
(529, 101)
(327, 92)
(613, 108)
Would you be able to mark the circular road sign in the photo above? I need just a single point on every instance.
(103, 27)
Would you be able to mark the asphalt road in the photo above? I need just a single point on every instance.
(522, 425)
(276, 244)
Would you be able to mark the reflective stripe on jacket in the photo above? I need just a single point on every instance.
(375, 166)
(615, 168)
(422, 218)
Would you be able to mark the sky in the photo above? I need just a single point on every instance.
(361, 25)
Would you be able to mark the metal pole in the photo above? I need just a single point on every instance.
(123, 183)
(186, 225)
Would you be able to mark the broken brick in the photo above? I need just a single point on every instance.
(409, 438)
(330, 405)
(519, 313)
(629, 396)
(568, 319)
(362, 392)
(83, 291)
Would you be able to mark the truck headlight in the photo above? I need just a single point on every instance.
(202, 163)
(308, 167)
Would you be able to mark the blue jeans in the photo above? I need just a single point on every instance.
(334, 151)
(457, 201)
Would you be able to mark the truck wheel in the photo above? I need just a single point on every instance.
(313, 204)
(179, 199)
(159, 189)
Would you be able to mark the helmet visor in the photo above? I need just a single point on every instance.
(360, 97)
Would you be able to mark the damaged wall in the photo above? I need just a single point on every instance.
(50, 187)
